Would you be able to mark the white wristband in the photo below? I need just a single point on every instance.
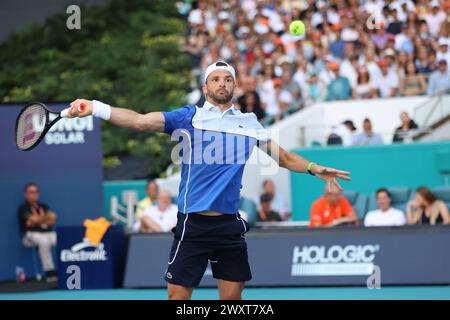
(101, 110)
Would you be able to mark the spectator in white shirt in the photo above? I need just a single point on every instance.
(443, 53)
(439, 81)
(389, 82)
(160, 218)
(435, 18)
(385, 215)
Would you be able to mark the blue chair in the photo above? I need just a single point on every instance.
(443, 193)
(358, 202)
(250, 208)
(400, 197)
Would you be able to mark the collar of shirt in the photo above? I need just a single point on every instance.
(209, 106)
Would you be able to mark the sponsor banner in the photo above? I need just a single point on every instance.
(67, 166)
(340, 256)
(97, 266)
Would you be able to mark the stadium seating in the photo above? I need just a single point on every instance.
(400, 196)
(358, 202)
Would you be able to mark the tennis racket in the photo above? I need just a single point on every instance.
(34, 122)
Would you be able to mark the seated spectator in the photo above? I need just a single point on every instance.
(439, 81)
(266, 213)
(412, 83)
(331, 210)
(339, 88)
(250, 102)
(278, 202)
(426, 208)
(407, 125)
(152, 193)
(315, 90)
(367, 137)
(158, 218)
(364, 88)
(342, 134)
(422, 62)
(293, 88)
(283, 98)
(36, 223)
(385, 215)
(388, 82)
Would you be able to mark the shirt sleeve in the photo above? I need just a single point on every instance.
(346, 206)
(171, 221)
(176, 119)
(315, 216)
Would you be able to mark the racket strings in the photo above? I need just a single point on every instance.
(30, 126)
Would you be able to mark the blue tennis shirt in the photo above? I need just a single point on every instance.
(215, 146)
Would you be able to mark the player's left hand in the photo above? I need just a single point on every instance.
(330, 175)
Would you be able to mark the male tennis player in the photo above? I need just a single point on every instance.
(209, 226)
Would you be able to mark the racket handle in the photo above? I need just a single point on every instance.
(64, 112)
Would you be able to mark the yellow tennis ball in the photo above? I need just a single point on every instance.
(297, 28)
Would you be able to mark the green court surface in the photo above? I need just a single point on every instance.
(338, 293)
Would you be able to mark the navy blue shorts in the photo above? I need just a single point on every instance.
(217, 239)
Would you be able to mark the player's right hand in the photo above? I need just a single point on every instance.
(80, 108)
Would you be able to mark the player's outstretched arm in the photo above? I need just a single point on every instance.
(153, 121)
(294, 162)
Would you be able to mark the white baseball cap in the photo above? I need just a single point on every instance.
(443, 41)
(219, 65)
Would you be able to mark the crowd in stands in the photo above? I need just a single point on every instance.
(346, 133)
(156, 212)
(351, 49)
(334, 209)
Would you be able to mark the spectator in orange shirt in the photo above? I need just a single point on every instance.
(332, 209)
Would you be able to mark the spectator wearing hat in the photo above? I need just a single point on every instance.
(412, 83)
(435, 18)
(367, 136)
(443, 52)
(338, 45)
(407, 125)
(339, 88)
(314, 90)
(440, 79)
(388, 83)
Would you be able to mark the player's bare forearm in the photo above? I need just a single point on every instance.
(285, 159)
(153, 121)
(127, 118)
(294, 162)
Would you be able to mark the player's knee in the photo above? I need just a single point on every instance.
(234, 293)
(177, 292)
